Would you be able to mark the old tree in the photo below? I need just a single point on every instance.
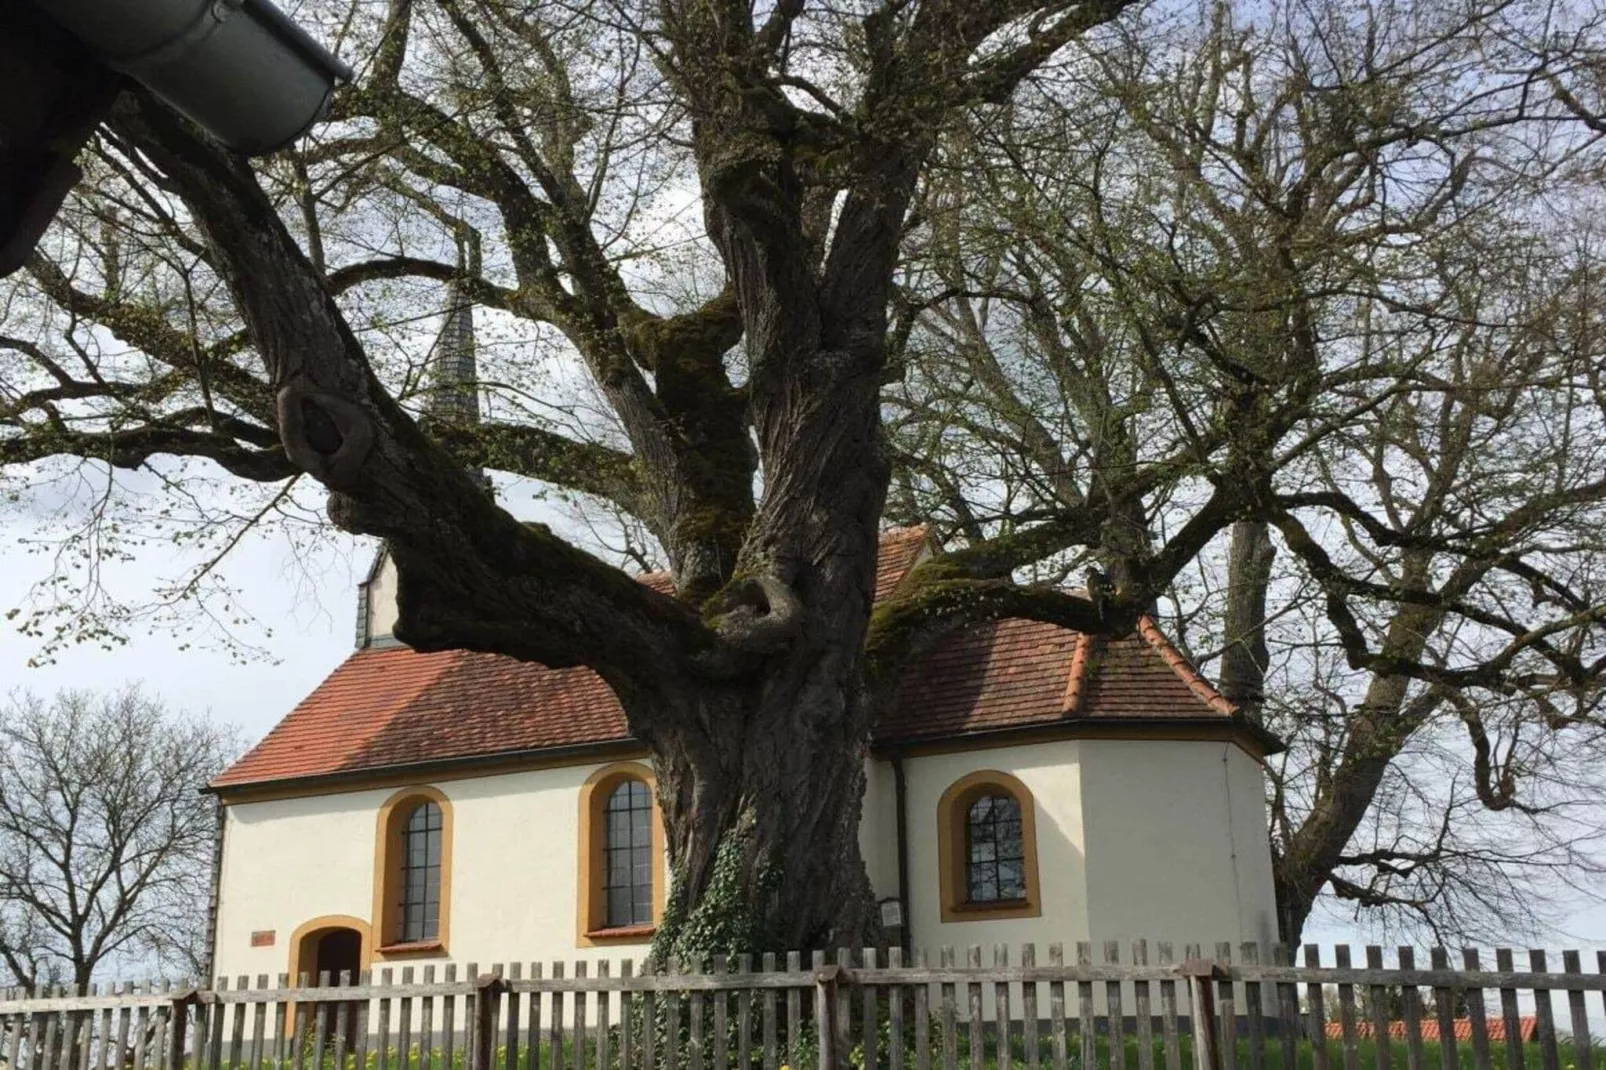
(1081, 285)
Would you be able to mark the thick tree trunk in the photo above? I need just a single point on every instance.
(761, 797)
(762, 786)
(762, 781)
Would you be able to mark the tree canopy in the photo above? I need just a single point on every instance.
(1279, 323)
(1307, 303)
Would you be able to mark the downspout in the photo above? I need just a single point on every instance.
(900, 791)
(1232, 843)
(210, 966)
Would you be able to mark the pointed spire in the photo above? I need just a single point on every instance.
(451, 396)
(452, 368)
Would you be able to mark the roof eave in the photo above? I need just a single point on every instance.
(1265, 742)
(600, 748)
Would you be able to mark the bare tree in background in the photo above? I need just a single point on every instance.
(1312, 298)
(106, 843)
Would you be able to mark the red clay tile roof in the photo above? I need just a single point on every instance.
(901, 550)
(1018, 673)
(1527, 1029)
(389, 706)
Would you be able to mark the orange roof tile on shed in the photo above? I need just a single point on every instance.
(1527, 1029)
(387, 707)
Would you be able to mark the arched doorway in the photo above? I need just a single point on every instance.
(336, 952)
(328, 947)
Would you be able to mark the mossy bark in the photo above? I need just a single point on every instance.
(762, 792)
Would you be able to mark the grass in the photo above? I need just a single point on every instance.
(1304, 1056)
(1304, 1053)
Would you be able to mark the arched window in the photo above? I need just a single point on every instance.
(627, 855)
(420, 905)
(621, 882)
(413, 874)
(995, 852)
(987, 849)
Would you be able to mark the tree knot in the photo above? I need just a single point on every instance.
(325, 435)
(757, 614)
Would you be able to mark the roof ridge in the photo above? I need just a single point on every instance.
(1202, 689)
(1081, 654)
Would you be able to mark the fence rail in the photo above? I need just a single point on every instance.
(870, 1010)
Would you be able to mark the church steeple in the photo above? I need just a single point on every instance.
(452, 374)
(452, 370)
(451, 396)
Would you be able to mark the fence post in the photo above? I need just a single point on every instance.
(487, 1005)
(825, 979)
(178, 1022)
(1202, 975)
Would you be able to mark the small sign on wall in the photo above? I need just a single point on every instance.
(264, 937)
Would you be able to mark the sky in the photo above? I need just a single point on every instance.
(307, 644)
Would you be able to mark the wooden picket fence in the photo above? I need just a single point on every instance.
(867, 1010)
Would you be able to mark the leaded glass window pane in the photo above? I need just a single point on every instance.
(627, 855)
(420, 906)
(995, 853)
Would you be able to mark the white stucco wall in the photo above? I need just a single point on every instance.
(515, 871)
(1051, 771)
(1153, 839)
(878, 829)
(286, 862)
(1176, 843)
(382, 600)
(1252, 848)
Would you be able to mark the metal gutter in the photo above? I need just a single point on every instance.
(240, 68)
